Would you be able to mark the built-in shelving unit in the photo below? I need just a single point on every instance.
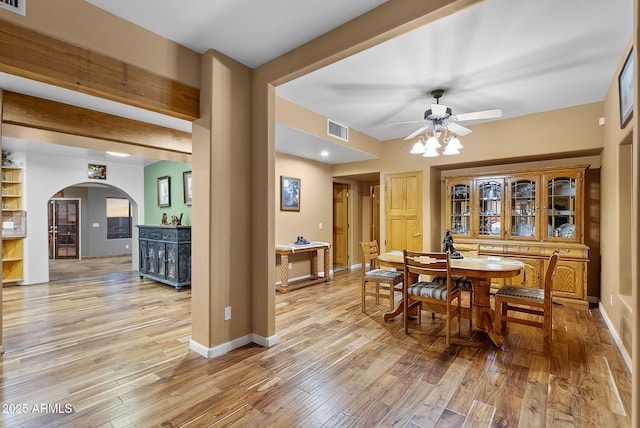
(14, 225)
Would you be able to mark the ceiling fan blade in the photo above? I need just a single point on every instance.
(403, 123)
(416, 132)
(477, 115)
(459, 130)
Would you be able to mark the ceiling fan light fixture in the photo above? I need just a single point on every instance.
(430, 152)
(450, 150)
(432, 143)
(455, 142)
(418, 148)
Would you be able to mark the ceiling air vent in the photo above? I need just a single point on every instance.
(17, 6)
(336, 130)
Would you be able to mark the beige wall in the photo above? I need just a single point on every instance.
(616, 180)
(316, 207)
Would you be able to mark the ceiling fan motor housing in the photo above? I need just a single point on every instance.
(428, 115)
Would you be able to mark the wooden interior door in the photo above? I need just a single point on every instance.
(340, 225)
(64, 230)
(403, 209)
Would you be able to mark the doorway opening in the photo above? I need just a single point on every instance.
(90, 231)
(64, 228)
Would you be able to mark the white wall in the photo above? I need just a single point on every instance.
(44, 175)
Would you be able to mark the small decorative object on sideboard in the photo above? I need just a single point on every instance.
(447, 246)
(164, 221)
(176, 221)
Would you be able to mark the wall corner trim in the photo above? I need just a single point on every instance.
(223, 348)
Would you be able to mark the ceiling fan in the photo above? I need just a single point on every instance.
(440, 118)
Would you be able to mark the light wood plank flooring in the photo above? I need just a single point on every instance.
(113, 352)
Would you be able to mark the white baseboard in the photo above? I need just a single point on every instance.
(616, 337)
(223, 348)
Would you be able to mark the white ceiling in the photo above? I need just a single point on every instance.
(522, 56)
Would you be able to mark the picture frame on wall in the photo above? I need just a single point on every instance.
(625, 90)
(289, 193)
(164, 191)
(186, 183)
(96, 172)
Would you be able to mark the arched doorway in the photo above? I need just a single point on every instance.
(91, 230)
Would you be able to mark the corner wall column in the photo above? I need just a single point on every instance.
(221, 208)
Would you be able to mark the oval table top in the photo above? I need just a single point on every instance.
(477, 267)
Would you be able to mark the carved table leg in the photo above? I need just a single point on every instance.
(284, 270)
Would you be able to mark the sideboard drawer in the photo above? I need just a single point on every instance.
(524, 250)
(567, 252)
(491, 248)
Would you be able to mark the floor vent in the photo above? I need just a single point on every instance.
(336, 130)
(17, 6)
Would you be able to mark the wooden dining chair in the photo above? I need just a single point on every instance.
(527, 300)
(465, 284)
(419, 290)
(386, 281)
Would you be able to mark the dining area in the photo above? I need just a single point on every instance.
(458, 285)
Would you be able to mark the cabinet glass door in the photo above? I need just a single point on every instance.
(524, 208)
(460, 209)
(561, 208)
(490, 208)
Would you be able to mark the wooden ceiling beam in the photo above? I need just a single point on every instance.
(32, 55)
(38, 113)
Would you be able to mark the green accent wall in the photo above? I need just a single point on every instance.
(152, 212)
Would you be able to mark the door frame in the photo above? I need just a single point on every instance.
(79, 227)
(347, 227)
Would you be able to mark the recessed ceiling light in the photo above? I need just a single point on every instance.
(122, 155)
(324, 153)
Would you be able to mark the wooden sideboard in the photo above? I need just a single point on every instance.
(165, 254)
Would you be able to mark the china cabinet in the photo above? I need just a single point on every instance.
(14, 225)
(525, 215)
(165, 254)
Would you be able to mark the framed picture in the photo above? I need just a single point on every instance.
(186, 182)
(97, 172)
(164, 191)
(625, 90)
(289, 193)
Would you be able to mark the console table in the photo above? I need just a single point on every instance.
(313, 248)
(165, 254)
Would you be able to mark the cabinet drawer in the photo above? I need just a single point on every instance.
(567, 253)
(492, 248)
(523, 250)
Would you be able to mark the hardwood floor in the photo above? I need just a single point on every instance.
(64, 269)
(112, 351)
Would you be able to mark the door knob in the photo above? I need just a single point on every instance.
(417, 235)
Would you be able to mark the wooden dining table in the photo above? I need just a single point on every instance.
(480, 270)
